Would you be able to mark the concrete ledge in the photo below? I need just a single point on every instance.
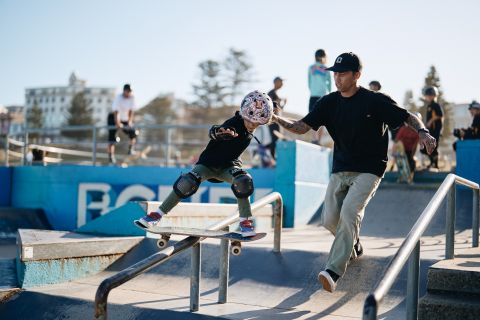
(460, 275)
(47, 257)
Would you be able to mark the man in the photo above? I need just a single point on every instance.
(357, 120)
(279, 103)
(319, 84)
(122, 117)
(434, 121)
(472, 132)
(374, 85)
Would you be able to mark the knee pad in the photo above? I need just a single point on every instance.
(187, 184)
(242, 185)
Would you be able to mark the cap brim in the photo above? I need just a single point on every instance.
(339, 69)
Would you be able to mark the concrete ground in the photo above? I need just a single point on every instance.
(263, 285)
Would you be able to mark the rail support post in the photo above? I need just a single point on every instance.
(412, 283)
(450, 224)
(475, 218)
(195, 277)
(224, 269)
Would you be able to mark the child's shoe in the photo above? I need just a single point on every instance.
(150, 220)
(246, 228)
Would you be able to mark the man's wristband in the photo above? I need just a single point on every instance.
(424, 130)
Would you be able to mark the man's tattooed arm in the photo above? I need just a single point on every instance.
(298, 127)
(426, 140)
(414, 122)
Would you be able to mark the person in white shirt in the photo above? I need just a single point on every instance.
(122, 117)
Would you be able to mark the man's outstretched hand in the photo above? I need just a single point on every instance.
(427, 141)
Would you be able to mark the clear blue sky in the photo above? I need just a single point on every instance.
(157, 45)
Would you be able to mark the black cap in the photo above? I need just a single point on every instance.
(278, 79)
(127, 87)
(347, 61)
(474, 105)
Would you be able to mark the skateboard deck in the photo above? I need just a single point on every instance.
(402, 163)
(228, 235)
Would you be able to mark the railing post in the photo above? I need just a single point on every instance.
(94, 146)
(224, 269)
(24, 149)
(475, 218)
(450, 224)
(168, 141)
(7, 146)
(370, 308)
(278, 217)
(195, 277)
(412, 283)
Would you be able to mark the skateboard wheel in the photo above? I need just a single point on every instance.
(162, 243)
(236, 250)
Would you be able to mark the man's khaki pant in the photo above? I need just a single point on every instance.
(348, 193)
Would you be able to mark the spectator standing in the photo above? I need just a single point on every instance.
(279, 104)
(122, 118)
(434, 122)
(319, 84)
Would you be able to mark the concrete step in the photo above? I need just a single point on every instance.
(47, 256)
(461, 275)
(447, 306)
(12, 219)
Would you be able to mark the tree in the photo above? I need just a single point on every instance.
(409, 102)
(209, 92)
(433, 79)
(79, 113)
(34, 119)
(238, 73)
(157, 111)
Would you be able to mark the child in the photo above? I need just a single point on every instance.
(220, 162)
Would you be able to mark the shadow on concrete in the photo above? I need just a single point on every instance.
(33, 305)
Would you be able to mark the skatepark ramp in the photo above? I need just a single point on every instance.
(410, 248)
(195, 243)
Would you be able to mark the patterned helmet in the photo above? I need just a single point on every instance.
(257, 107)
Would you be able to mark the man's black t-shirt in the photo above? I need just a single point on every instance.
(358, 126)
(274, 96)
(226, 153)
(436, 126)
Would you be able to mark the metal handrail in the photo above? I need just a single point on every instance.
(410, 248)
(144, 265)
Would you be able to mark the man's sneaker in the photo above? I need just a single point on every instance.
(246, 228)
(327, 281)
(150, 220)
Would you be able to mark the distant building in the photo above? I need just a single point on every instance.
(55, 101)
(16, 117)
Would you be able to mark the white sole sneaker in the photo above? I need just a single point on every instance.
(327, 282)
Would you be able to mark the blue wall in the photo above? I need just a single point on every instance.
(5, 186)
(468, 160)
(74, 195)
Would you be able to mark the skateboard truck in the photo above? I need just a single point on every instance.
(162, 243)
(236, 248)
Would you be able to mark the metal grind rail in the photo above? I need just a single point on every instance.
(410, 248)
(144, 265)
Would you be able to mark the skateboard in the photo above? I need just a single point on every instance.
(139, 154)
(234, 237)
(404, 172)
